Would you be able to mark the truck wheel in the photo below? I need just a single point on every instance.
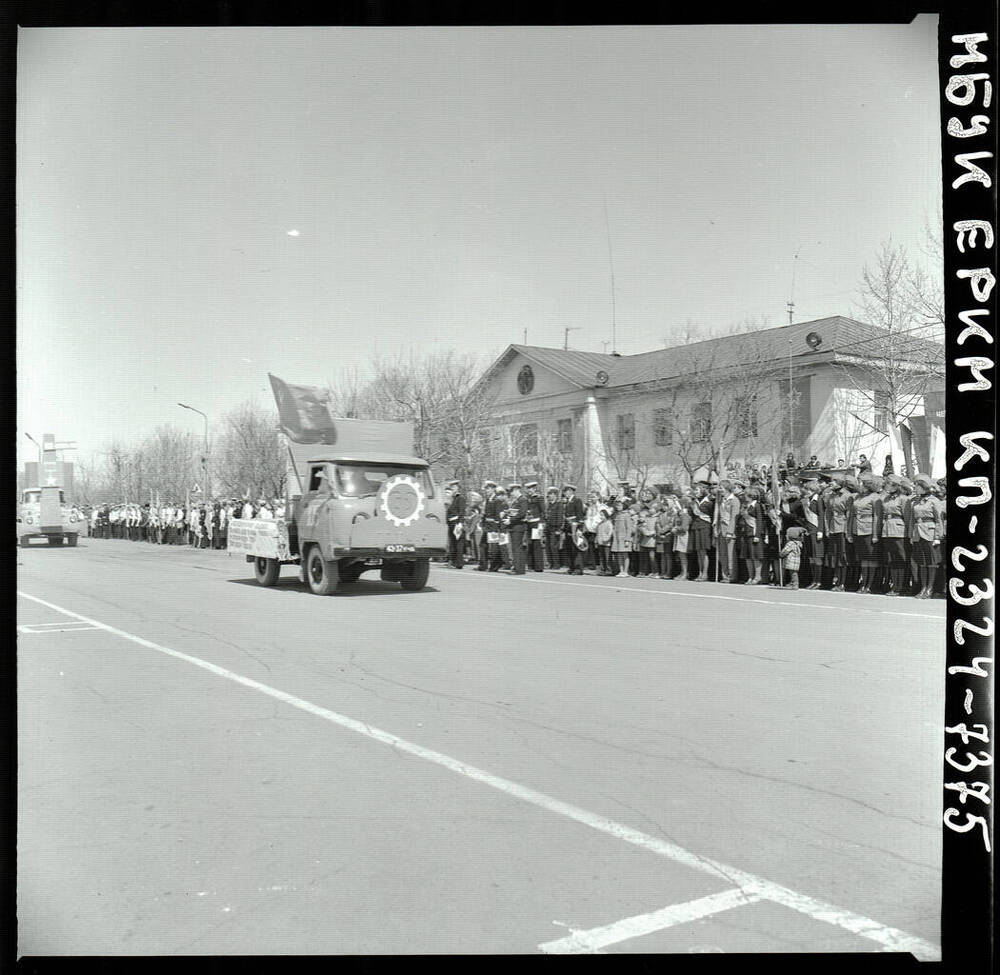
(71, 540)
(320, 574)
(25, 542)
(266, 571)
(420, 569)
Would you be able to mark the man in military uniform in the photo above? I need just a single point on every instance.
(814, 515)
(515, 519)
(554, 529)
(456, 525)
(573, 515)
(534, 527)
(489, 551)
(892, 534)
(926, 534)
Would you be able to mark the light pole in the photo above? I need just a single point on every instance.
(207, 476)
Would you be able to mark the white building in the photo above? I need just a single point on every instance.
(668, 415)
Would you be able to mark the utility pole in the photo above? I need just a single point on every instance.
(611, 266)
(791, 308)
(566, 331)
(206, 476)
(525, 336)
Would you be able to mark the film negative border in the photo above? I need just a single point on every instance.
(968, 73)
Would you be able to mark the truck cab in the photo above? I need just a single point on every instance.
(43, 513)
(356, 512)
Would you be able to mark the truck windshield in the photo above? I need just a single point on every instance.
(365, 480)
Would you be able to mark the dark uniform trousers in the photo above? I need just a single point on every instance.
(535, 554)
(573, 514)
(518, 552)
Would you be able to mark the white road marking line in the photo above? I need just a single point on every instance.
(589, 942)
(890, 938)
(63, 627)
(732, 599)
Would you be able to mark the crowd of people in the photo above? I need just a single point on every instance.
(803, 528)
(815, 529)
(202, 525)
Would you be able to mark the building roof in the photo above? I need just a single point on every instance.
(840, 337)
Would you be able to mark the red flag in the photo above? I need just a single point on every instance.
(303, 412)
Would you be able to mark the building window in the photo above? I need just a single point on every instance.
(663, 428)
(745, 409)
(626, 431)
(526, 440)
(881, 411)
(565, 436)
(701, 422)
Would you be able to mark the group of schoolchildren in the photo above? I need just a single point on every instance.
(202, 525)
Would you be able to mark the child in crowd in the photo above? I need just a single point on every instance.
(665, 521)
(603, 537)
(621, 541)
(682, 530)
(791, 556)
(646, 534)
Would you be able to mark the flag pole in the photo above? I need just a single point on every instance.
(717, 519)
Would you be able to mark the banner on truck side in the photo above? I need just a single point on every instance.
(262, 539)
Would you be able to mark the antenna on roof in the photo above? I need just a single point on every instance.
(790, 304)
(611, 265)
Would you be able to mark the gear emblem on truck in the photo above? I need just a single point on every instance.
(402, 500)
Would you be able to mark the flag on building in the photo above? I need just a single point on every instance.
(303, 412)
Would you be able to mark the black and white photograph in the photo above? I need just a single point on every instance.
(485, 490)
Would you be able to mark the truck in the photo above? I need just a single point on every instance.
(362, 505)
(43, 513)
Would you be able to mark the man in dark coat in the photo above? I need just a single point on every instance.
(554, 529)
(489, 552)
(534, 522)
(456, 525)
(572, 520)
(517, 512)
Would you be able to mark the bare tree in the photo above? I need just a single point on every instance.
(252, 455)
(170, 457)
(894, 370)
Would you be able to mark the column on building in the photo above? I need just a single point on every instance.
(595, 456)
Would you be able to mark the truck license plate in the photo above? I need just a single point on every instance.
(400, 548)
(373, 561)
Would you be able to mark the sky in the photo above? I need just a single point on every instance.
(197, 207)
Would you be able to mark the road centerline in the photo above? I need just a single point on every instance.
(888, 937)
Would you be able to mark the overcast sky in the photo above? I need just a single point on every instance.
(197, 207)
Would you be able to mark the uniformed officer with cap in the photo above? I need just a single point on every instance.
(572, 521)
(489, 551)
(534, 527)
(456, 525)
(926, 534)
(554, 528)
(894, 558)
(865, 527)
(837, 503)
(514, 518)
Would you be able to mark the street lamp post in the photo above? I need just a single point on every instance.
(207, 475)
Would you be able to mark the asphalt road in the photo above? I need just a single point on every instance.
(493, 765)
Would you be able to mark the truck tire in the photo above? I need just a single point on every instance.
(25, 541)
(320, 574)
(419, 571)
(71, 540)
(266, 571)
